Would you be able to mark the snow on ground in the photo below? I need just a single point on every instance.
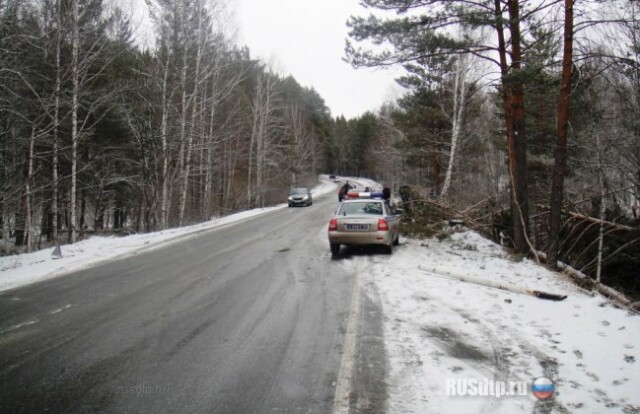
(23, 269)
(442, 333)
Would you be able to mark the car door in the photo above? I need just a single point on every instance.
(393, 220)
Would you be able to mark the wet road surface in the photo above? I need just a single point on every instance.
(248, 318)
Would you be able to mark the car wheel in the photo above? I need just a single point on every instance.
(397, 240)
(388, 249)
(335, 249)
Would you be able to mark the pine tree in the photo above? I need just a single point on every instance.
(424, 40)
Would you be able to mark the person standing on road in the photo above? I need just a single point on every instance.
(343, 191)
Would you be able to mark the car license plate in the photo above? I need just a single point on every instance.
(357, 227)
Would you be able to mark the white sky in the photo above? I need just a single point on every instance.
(306, 38)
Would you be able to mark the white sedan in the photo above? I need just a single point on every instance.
(364, 221)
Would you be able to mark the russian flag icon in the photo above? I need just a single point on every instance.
(543, 388)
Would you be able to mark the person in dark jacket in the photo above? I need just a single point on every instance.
(344, 190)
(386, 192)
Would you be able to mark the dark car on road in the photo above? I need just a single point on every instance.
(300, 197)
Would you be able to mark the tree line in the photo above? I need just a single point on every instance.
(528, 107)
(99, 134)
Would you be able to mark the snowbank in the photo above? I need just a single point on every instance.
(441, 332)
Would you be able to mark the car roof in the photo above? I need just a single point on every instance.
(363, 200)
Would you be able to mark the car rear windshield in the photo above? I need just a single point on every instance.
(299, 191)
(371, 207)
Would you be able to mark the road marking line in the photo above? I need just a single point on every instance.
(18, 326)
(347, 363)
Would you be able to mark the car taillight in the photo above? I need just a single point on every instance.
(383, 225)
(333, 225)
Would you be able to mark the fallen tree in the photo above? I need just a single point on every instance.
(605, 248)
(491, 284)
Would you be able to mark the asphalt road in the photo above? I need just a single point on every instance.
(248, 318)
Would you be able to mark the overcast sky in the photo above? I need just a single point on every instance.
(306, 38)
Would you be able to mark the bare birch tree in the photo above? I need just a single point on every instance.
(164, 213)
(220, 154)
(192, 104)
(461, 96)
(75, 91)
(302, 143)
(263, 109)
(56, 124)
